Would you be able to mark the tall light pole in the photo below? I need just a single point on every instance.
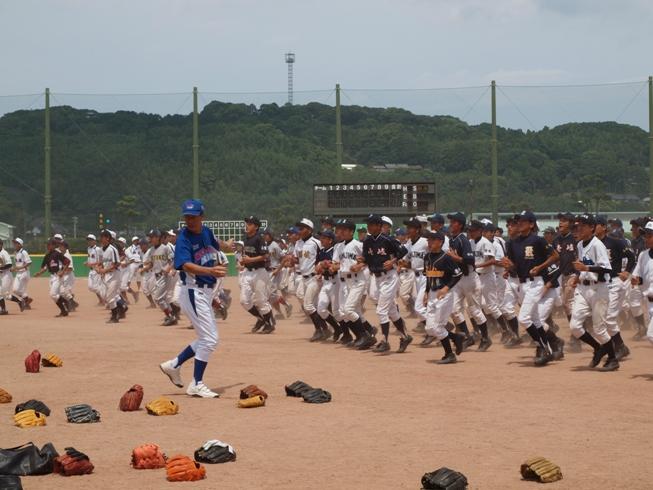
(290, 61)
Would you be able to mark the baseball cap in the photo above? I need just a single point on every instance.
(293, 229)
(585, 219)
(268, 231)
(327, 220)
(435, 235)
(374, 219)
(490, 227)
(616, 221)
(192, 207)
(413, 222)
(601, 220)
(253, 220)
(135, 239)
(641, 222)
(171, 233)
(476, 225)
(58, 236)
(91, 236)
(527, 216)
(305, 222)
(400, 232)
(648, 228)
(122, 240)
(19, 241)
(346, 223)
(113, 234)
(240, 242)
(549, 229)
(422, 218)
(105, 233)
(486, 221)
(327, 234)
(154, 232)
(436, 218)
(458, 216)
(386, 220)
(567, 216)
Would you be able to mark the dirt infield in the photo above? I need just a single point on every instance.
(392, 417)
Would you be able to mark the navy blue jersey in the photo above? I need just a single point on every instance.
(200, 249)
(551, 274)
(460, 243)
(325, 254)
(440, 271)
(527, 252)
(255, 246)
(565, 245)
(618, 250)
(379, 249)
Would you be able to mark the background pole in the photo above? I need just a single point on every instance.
(495, 184)
(338, 127)
(48, 188)
(196, 148)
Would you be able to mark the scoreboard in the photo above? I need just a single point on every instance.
(227, 229)
(391, 199)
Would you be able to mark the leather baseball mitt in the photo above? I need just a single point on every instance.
(214, 452)
(297, 388)
(444, 479)
(317, 395)
(252, 390)
(82, 414)
(73, 463)
(252, 402)
(5, 396)
(131, 400)
(33, 362)
(51, 360)
(182, 468)
(29, 418)
(148, 457)
(541, 469)
(162, 406)
(35, 405)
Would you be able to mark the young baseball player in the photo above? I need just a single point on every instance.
(380, 255)
(22, 262)
(93, 252)
(328, 295)
(255, 287)
(108, 269)
(635, 296)
(442, 274)
(159, 262)
(511, 293)
(147, 276)
(195, 259)
(417, 247)
(5, 278)
(275, 270)
(592, 296)
(643, 274)
(68, 279)
(55, 263)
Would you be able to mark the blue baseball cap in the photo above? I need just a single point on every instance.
(192, 207)
(327, 234)
(400, 232)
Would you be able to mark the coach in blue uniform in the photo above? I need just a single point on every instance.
(196, 254)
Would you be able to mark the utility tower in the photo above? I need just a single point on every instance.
(290, 61)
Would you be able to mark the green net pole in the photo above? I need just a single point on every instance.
(495, 184)
(196, 148)
(338, 127)
(46, 148)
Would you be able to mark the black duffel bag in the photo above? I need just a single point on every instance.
(27, 460)
(10, 482)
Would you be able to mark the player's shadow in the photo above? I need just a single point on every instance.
(578, 369)
(646, 376)
(222, 389)
(435, 361)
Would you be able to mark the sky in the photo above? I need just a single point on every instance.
(380, 51)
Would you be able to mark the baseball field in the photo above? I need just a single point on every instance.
(392, 418)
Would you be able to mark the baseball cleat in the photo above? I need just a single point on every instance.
(169, 321)
(172, 372)
(382, 346)
(428, 340)
(610, 365)
(367, 343)
(345, 339)
(484, 345)
(420, 328)
(544, 358)
(514, 341)
(559, 350)
(258, 325)
(200, 390)
(317, 335)
(468, 342)
(622, 352)
(269, 328)
(288, 310)
(597, 356)
(404, 343)
(448, 359)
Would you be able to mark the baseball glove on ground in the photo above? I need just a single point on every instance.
(252, 402)
(73, 463)
(541, 469)
(252, 390)
(51, 360)
(297, 388)
(29, 418)
(182, 468)
(162, 406)
(82, 414)
(5, 396)
(36, 405)
(131, 400)
(444, 479)
(148, 457)
(33, 362)
(316, 395)
(215, 451)
(10, 482)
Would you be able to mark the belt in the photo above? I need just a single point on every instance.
(586, 282)
(418, 273)
(403, 271)
(158, 274)
(308, 275)
(522, 280)
(348, 276)
(199, 286)
(379, 274)
(254, 268)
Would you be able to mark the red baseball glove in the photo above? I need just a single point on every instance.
(148, 457)
(73, 463)
(182, 468)
(131, 400)
(33, 362)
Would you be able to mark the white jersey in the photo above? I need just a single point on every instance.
(5, 259)
(275, 253)
(499, 254)
(71, 266)
(110, 257)
(644, 270)
(417, 250)
(22, 259)
(306, 253)
(594, 254)
(160, 257)
(133, 254)
(93, 255)
(348, 255)
(483, 251)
